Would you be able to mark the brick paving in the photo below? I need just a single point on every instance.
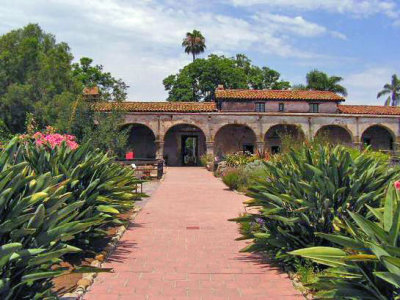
(182, 247)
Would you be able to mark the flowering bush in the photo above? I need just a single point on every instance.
(55, 139)
(51, 139)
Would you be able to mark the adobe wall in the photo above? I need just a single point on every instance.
(273, 106)
(260, 123)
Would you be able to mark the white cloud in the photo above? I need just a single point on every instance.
(364, 86)
(295, 25)
(139, 41)
(354, 7)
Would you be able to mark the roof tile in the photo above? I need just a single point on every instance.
(369, 110)
(157, 106)
(277, 95)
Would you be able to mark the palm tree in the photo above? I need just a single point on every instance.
(393, 90)
(320, 81)
(194, 43)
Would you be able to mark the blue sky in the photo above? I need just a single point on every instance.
(140, 41)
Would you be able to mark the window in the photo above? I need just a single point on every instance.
(314, 107)
(281, 106)
(260, 107)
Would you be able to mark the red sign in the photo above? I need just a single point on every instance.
(129, 155)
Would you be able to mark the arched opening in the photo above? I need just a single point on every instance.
(234, 138)
(277, 135)
(141, 142)
(378, 137)
(334, 134)
(183, 145)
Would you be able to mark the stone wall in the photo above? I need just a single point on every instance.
(260, 123)
(273, 106)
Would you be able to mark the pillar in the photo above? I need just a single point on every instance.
(260, 146)
(210, 148)
(357, 143)
(159, 149)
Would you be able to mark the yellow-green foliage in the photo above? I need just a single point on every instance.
(306, 191)
(364, 261)
(54, 202)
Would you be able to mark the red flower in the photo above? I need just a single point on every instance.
(397, 185)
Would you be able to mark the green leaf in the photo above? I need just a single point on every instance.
(107, 209)
(325, 255)
(389, 277)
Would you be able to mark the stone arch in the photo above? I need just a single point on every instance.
(379, 137)
(141, 141)
(188, 122)
(232, 138)
(274, 135)
(184, 144)
(335, 134)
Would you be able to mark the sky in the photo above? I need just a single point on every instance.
(140, 41)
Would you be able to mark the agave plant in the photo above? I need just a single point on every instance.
(35, 224)
(367, 264)
(105, 188)
(307, 191)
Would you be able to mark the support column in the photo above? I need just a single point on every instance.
(159, 150)
(357, 143)
(396, 148)
(260, 146)
(210, 148)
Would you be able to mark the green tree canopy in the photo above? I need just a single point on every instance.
(320, 81)
(392, 90)
(34, 69)
(207, 73)
(110, 88)
(37, 77)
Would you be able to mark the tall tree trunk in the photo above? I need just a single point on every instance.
(394, 99)
(194, 56)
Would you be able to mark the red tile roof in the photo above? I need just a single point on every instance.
(277, 95)
(369, 110)
(158, 106)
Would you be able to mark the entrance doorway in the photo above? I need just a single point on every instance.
(190, 150)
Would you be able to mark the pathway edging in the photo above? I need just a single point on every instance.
(88, 278)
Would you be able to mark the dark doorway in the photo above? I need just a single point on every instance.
(248, 148)
(190, 153)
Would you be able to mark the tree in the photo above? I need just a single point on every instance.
(110, 88)
(207, 73)
(106, 133)
(393, 90)
(37, 78)
(34, 69)
(320, 81)
(194, 43)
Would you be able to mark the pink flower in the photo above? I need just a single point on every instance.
(397, 185)
(53, 140)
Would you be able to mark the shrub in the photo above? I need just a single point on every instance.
(52, 199)
(35, 225)
(239, 159)
(106, 188)
(207, 160)
(254, 172)
(367, 264)
(306, 192)
(232, 179)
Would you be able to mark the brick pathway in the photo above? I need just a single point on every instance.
(183, 247)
